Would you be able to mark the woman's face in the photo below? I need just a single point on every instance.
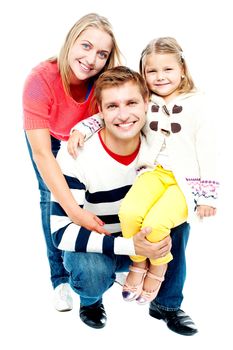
(89, 54)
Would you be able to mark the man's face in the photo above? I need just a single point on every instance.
(124, 111)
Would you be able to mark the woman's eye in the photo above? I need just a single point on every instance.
(103, 55)
(85, 46)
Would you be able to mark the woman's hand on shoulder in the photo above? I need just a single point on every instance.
(76, 140)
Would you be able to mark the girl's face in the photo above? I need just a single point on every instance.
(163, 75)
(89, 54)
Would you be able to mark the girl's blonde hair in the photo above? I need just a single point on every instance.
(168, 45)
(91, 20)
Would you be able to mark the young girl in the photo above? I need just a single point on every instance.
(176, 164)
(58, 93)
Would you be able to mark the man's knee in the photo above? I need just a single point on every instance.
(90, 274)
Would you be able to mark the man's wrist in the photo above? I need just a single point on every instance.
(124, 246)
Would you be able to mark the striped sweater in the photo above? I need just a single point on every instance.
(99, 183)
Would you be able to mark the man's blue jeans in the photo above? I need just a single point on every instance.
(57, 271)
(93, 274)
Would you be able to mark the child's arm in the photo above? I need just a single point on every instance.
(83, 131)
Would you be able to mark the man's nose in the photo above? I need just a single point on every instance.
(123, 113)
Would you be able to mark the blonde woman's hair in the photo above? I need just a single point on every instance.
(168, 45)
(91, 20)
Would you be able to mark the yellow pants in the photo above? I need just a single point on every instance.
(155, 200)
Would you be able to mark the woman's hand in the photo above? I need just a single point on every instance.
(76, 140)
(90, 221)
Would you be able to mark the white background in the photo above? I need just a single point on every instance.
(32, 31)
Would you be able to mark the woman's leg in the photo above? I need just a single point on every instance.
(58, 274)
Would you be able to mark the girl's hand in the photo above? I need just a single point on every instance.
(76, 140)
(205, 210)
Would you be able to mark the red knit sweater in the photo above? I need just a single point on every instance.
(46, 105)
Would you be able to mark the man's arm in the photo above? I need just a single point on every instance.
(70, 237)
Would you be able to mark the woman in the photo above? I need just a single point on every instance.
(58, 94)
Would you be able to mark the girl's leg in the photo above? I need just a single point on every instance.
(134, 281)
(171, 211)
(146, 190)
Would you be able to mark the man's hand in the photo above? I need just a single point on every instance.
(151, 250)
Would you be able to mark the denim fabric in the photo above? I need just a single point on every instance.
(58, 274)
(170, 294)
(93, 274)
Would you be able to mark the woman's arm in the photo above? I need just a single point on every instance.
(50, 171)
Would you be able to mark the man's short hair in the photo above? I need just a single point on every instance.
(118, 76)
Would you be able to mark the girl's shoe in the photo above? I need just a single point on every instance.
(130, 292)
(146, 297)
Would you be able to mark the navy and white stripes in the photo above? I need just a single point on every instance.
(98, 184)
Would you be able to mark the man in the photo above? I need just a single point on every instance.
(99, 179)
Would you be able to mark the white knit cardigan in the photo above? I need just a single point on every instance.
(186, 126)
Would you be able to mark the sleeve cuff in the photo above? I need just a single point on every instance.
(124, 246)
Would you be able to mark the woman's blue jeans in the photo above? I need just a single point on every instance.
(93, 274)
(58, 274)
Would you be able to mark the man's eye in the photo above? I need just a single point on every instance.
(111, 107)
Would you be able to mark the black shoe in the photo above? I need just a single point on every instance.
(93, 316)
(177, 321)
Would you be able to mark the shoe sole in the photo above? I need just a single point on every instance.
(64, 310)
(95, 327)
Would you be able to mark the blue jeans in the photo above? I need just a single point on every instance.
(93, 274)
(170, 294)
(58, 274)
